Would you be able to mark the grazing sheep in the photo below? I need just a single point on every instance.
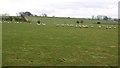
(17, 22)
(43, 24)
(86, 26)
(38, 24)
(83, 26)
(92, 26)
(110, 27)
(107, 27)
(99, 26)
(57, 25)
(80, 26)
(114, 27)
(76, 26)
(68, 25)
(62, 25)
(71, 25)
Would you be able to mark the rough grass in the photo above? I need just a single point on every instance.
(31, 45)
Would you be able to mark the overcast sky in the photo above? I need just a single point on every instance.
(62, 8)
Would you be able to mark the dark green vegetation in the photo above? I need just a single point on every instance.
(32, 45)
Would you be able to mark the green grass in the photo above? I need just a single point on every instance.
(31, 45)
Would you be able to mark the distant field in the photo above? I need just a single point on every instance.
(32, 45)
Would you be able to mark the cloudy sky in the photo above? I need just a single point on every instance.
(62, 8)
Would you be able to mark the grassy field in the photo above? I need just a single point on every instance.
(32, 45)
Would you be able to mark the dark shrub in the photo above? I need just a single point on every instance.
(81, 22)
(77, 22)
(38, 22)
(98, 22)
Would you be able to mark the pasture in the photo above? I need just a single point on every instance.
(27, 44)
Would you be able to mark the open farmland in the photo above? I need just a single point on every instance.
(32, 45)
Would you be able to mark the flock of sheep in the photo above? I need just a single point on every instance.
(73, 25)
(85, 26)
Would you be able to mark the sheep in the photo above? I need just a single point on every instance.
(110, 27)
(83, 26)
(76, 26)
(80, 26)
(57, 25)
(71, 25)
(68, 25)
(62, 25)
(43, 24)
(38, 24)
(92, 26)
(86, 26)
(17, 22)
(107, 27)
(114, 27)
(99, 26)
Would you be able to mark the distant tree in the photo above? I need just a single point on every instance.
(10, 18)
(35, 15)
(77, 22)
(44, 15)
(23, 16)
(69, 17)
(28, 14)
(115, 19)
(53, 16)
(99, 17)
(109, 18)
(5, 14)
(93, 17)
(105, 18)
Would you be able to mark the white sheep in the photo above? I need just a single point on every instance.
(17, 22)
(76, 26)
(86, 26)
(57, 25)
(43, 24)
(68, 25)
(38, 24)
(107, 27)
(83, 26)
(114, 27)
(80, 26)
(99, 26)
(71, 25)
(92, 26)
(110, 27)
(62, 25)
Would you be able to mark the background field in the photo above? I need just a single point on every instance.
(32, 45)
